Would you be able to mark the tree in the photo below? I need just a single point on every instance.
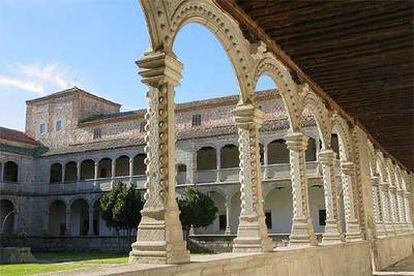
(121, 207)
(197, 209)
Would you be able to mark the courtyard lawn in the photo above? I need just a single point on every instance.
(55, 262)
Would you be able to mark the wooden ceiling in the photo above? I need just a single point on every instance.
(358, 53)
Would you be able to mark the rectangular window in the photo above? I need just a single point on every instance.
(268, 219)
(96, 133)
(58, 125)
(42, 128)
(322, 217)
(222, 222)
(142, 127)
(196, 120)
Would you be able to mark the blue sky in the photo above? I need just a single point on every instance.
(47, 46)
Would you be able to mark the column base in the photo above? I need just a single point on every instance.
(332, 234)
(381, 231)
(159, 239)
(250, 238)
(302, 233)
(353, 232)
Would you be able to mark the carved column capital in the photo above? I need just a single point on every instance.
(247, 116)
(347, 168)
(392, 189)
(400, 191)
(157, 68)
(383, 185)
(327, 157)
(296, 141)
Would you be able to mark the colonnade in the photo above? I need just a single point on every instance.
(159, 237)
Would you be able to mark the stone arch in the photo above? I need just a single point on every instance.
(122, 166)
(87, 169)
(105, 167)
(139, 164)
(380, 164)
(312, 103)
(55, 172)
(278, 153)
(7, 217)
(206, 154)
(79, 208)
(57, 210)
(229, 156)
(344, 137)
(165, 20)
(70, 171)
(287, 88)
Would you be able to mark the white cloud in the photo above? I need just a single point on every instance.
(37, 78)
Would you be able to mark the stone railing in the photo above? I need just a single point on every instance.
(227, 175)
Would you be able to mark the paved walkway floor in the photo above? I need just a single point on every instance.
(403, 267)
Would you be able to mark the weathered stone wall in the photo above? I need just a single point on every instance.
(390, 250)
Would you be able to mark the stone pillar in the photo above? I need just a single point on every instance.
(90, 221)
(393, 207)
(192, 167)
(68, 222)
(378, 210)
(159, 235)
(96, 172)
(332, 228)
(302, 229)
(16, 221)
(407, 197)
(113, 168)
(353, 230)
(228, 208)
(385, 207)
(265, 160)
(218, 164)
(63, 173)
(78, 171)
(401, 209)
(1, 173)
(131, 169)
(252, 231)
(45, 227)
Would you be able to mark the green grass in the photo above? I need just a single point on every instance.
(55, 262)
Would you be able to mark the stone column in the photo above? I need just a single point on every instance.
(218, 164)
(407, 197)
(16, 220)
(393, 207)
(1, 172)
(159, 235)
(353, 230)
(96, 172)
(302, 229)
(45, 227)
(265, 160)
(378, 210)
(90, 221)
(252, 231)
(63, 173)
(78, 171)
(191, 169)
(332, 228)
(228, 208)
(401, 209)
(68, 222)
(385, 207)
(113, 168)
(131, 169)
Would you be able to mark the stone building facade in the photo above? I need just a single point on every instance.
(77, 145)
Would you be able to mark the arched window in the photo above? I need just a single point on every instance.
(206, 158)
(10, 172)
(139, 164)
(87, 169)
(105, 168)
(6, 217)
(229, 156)
(122, 166)
(55, 173)
(278, 152)
(71, 171)
(311, 150)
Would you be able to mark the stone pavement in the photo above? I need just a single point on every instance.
(403, 267)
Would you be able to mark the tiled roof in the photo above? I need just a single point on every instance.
(69, 91)
(16, 136)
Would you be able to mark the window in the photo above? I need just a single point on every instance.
(268, 219)
(322, 217)
(222, 222)
(96, 133)
(142, 127)
(196, 120)
(42, 128)
(58, 125)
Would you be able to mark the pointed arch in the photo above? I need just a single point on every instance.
(344, 137)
